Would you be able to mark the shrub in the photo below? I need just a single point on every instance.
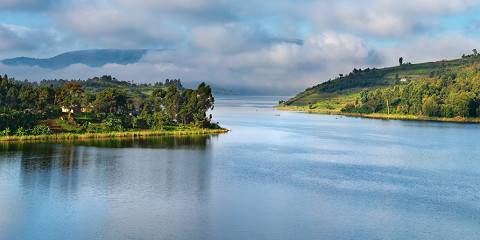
(41, 129)
(113, 124)
(95, 128)
(159, 120)
(5, 132)
(140, 122)
(21, 131)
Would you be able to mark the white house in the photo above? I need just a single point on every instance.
(66, 110)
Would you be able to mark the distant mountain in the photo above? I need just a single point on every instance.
(92, 58)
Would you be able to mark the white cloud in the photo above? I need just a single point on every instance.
(16, 39)
(278, 46)
(430, 48)
(279, 68)
(383, 18)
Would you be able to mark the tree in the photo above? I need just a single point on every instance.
(28, 96)
(11, 97)
(155, 103)
(430, 106)
(188, 106)
(110, 100)
(70, 97)
(205, 102)
(461, 104)
(172, 103)
(24, 105)
(400, 60)
(46, 97)
(475, 52)
(388, 94)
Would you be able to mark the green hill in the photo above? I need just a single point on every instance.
(451, 87)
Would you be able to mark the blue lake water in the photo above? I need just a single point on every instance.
(276, 175)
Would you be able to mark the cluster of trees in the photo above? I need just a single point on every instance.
(453, 93)
(174, 82)
(107, 81)
(27, 107)
(474, 54)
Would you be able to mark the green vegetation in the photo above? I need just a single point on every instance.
(443, 91)
(171, 131)
(99, 107)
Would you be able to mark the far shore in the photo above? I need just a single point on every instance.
(113, 135)
(383, 116)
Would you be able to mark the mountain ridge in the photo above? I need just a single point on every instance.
(91, 57)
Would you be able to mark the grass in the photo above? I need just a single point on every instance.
(414, 117)
(336, 111)
(179, 131)
(329, 104)
(326, 100)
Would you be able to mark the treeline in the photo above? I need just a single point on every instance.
(107, 81)
(451, 93)
(27, 108)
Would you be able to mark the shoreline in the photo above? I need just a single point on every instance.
(380, 116)
(113, 135)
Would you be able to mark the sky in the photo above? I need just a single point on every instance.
(267, 46)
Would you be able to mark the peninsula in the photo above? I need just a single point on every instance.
(102, 107)
(447, 90)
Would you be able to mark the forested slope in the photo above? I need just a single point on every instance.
(445, 89)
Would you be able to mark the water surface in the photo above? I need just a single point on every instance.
(276, 175)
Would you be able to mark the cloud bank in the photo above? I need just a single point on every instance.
(276, 47)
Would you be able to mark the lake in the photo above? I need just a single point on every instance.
(276, 175)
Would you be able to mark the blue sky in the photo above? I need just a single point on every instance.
(278, 46)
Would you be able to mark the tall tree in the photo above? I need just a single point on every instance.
(204, 104)
(110, 100)
(70, 97)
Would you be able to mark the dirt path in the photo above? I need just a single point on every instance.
(52, 124)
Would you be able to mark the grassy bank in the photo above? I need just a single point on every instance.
(377, 115)
(114, 135)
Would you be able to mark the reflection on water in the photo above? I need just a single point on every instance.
(90, 174)
(149, 142)
(276, 175)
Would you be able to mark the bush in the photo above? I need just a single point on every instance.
(159, 120)
(21, 132)
(140, 122)
(113, 124)
(95, 128)
(14, 119)
(5, 132)
(41, 129)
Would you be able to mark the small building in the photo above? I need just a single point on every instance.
(66, 110)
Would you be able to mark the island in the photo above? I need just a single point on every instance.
(102, 107)
(446, 90)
